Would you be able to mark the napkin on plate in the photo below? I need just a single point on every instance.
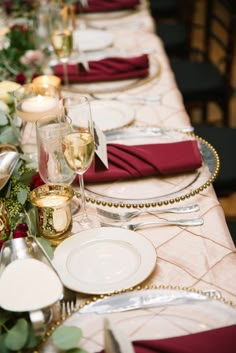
(220, 340)
(107, 5)
(128, 162)
(109, 69)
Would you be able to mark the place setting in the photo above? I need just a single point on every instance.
(93, 10)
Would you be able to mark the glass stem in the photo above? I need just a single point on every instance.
(65, 72)
(82, 194)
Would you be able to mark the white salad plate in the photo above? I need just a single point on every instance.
(92, 39)
(103, 260)
(109, 115)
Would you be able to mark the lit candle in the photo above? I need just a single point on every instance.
(36, 107)
(49, 80)
(38, 104)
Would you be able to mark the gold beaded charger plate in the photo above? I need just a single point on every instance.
(118, 85)
(101, 260)
(156, 191)
(177, 312)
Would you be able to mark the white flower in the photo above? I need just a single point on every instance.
(32, 57)
(5, 88)
(4, 106)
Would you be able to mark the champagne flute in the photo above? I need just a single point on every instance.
(79, 147)
(61, 37)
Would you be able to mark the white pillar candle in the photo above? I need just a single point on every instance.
(37, 107)
(38, 104)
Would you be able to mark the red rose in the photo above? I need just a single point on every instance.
(36, 181)
(1, 243)
(20, 231)
(20, 78)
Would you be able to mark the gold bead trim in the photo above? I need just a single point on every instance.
(173, 200)
(213, 295)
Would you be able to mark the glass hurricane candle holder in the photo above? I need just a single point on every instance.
(32, 102)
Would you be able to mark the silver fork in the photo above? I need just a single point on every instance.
(176, 222)
(67, 307)
(126, 216)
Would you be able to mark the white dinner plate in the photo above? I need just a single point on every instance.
(169, 319)
(103, 260)
(109, 115)
(92, 39)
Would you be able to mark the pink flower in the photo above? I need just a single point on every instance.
(20, 231)
(32, 57)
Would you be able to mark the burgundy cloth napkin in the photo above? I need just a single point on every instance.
(220, 340)
(109, 69)
(107, 5)
(127, 162)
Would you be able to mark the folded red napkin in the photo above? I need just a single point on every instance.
(107, 5)
(220, 340)
(109, 69)
(126, 162)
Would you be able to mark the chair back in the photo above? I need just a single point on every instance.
(218, 36)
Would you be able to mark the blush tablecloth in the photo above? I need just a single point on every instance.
(201, 257)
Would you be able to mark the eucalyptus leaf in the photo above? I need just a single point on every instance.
(7, 136)
(3, 118)
(3, 348)
(31, 220)
(17, 336)
(22, 196)
(67, 337)
(46, 246)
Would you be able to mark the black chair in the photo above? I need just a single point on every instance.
(232, 229)
(206, 76)
(162, 9)
(223, 139)
(173, 19)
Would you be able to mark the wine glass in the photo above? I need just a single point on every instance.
(79, 147)
(61, 36)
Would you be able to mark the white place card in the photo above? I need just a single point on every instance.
(100, 149)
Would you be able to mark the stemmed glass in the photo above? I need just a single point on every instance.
(78, 147)
(52, 166)
(61, 36)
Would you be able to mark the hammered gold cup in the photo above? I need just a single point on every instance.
(53, 211)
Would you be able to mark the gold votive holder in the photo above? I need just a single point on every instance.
(53, 211)
(49, 80)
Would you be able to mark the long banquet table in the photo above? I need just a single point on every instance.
(200, 257)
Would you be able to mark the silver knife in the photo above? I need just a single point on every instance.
(144, 299)
(115, 341)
